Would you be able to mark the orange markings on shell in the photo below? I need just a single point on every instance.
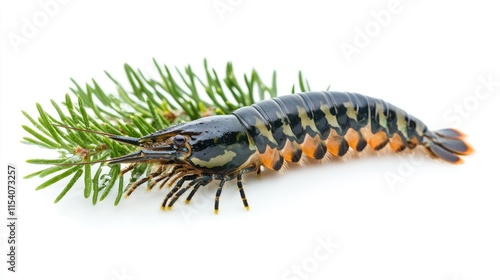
(336, 145)
(378, 140)
(289, 150)
(270, 158)
(352, 138)
(413, 142)
(396, 143)
(333, 143)
(310, 145)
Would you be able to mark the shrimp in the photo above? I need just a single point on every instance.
(274, 132)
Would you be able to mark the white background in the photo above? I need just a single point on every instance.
(438, 222)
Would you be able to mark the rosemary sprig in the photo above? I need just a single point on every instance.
(144, 106)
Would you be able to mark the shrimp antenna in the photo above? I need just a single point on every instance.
(124, 139)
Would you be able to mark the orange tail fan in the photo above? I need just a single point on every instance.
(447, 144)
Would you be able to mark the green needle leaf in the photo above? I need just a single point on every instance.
(88, 181)
(83, 112)
(120, 191)
(114, 173)
(46, 161)
(95, 186)
(40, 137)
(59, 177)
(69, 185)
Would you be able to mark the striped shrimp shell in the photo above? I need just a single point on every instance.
(314, 123)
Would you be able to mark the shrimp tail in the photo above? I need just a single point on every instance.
(447, 144)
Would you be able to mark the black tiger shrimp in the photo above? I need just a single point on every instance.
(272, 132)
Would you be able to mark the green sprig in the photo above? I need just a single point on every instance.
(145, 105)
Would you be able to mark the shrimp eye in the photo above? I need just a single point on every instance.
(179, 140)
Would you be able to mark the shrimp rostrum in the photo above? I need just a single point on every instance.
(273, 132)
